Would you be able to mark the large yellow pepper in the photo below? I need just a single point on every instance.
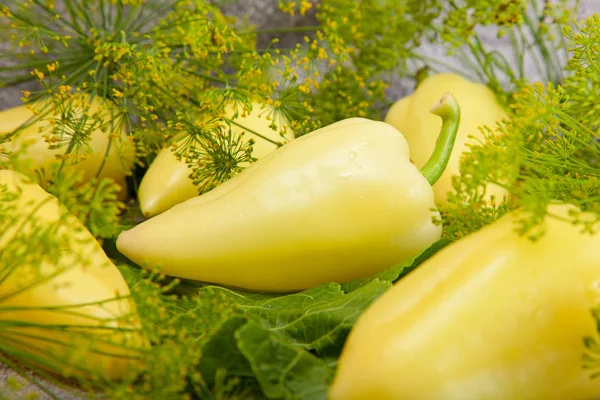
(492, 316)
(167, 182)
(339, 203)
(410, 115)
(117, 165)
(71, 311)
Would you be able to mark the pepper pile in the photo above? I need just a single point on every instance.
(323, 257)
(337, 204)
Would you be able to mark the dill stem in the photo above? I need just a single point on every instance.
(78, 72)
(307, 28)
(103, 16)
(465, 59)
(53, 363)
(72, 14)
(62, 162)
(576, 125)
(38, 63)
(480, 55)
(475, 66)
(41, 281)
(214, 78)
(119, 18)
(111, 9)
(51, 13)
(130, 20)
(432, 61)
(519, 48)
(142, 20)
(552, 65)
(65, 308)
(83, 14)
(17, 80)
(250, 130)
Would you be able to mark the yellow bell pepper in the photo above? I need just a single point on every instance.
(119, 161)
(167, 182)
(411, 117)
(492, 316)
(339, 203)
(71, 311)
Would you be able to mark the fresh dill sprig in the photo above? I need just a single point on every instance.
(547, 155)
(548, 146)
(152, 61)
(95, 203)
(84, 180)
(356, 54)
(537, 49)
(66, 333)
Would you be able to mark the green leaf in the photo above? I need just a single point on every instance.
(220, 352)
(317, 319)
(283, 370)
(288, 342)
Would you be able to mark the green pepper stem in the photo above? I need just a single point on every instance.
(448, 109)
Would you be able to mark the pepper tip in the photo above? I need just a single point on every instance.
(446, 97)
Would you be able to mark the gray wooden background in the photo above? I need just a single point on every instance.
(264, 13)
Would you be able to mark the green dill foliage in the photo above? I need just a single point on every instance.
(94, 202)
(34, 263)
(42, 326)
(66, 159)
(549, 145)
(167, 69)
(148, 74)
(369, 44)
(358, 51)
(533, 29)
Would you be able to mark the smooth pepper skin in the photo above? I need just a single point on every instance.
(118, 164)
(339, 203)
(84, 275)
(167, 182)
(491, 316)
(410, 115)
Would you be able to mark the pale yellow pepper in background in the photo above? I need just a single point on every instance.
(119, 161)
(339, 203)
(492, 316)
(410, 115)
(84, 275)
(167, 182)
